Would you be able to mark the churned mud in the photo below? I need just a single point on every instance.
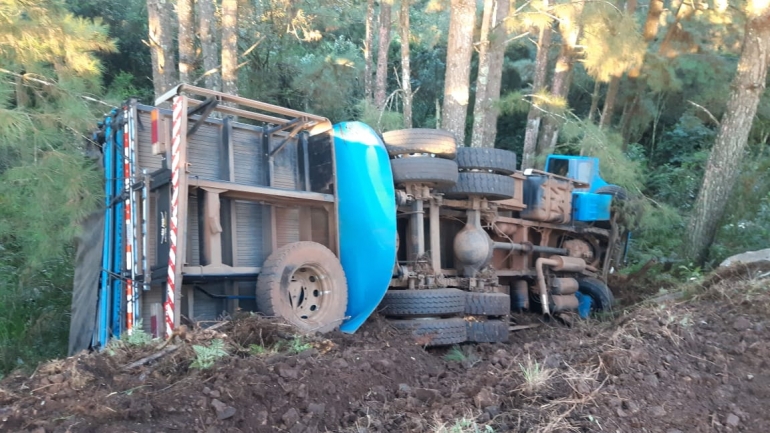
(692, 363)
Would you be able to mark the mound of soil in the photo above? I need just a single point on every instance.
(693, 365)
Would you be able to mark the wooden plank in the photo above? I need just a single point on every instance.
(262, 193)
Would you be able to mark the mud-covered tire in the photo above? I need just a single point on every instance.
(617, 192)
(487, 304)
(433, 332)
(490, 331)
(600, 293)
(420, 140)
(499, 161)
(436, 172)
(488, 185)
(430, 302)
(304, 283)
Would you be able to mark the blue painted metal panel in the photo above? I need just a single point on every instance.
(588, 206)
(367, 218)
(117, 264)
(103, 309)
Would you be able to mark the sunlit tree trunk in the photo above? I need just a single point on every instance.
(381, 82)
(725, 158)
(570, 29)
(206, 26)
(497, 46)
(230, 46)
(462, 20)
(406, 72)
(368, 42)
(164, 74)
(481, 103)
(612, 89)
(609, 102)
(184, 10)
(649, 33)
(594, 101)
(538, 84)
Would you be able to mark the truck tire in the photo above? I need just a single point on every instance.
(615, 191)
(434, 332)
(499, 161)
(436, 172)
(601, 295)
(304, 283)
(430, 302)
(491, 331)
(487, 304)
(420, 140)
(488, 185)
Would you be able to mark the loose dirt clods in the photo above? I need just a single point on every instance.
(697, 363)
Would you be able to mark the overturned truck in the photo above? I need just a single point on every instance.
(218, 204)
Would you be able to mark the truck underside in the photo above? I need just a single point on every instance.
(220, 204)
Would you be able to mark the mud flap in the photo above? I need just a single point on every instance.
(367, 218)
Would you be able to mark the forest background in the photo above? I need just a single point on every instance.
(669, 94)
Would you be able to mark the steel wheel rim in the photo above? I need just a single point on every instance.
(308, 292)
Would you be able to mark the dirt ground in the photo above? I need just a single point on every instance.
(691, 362)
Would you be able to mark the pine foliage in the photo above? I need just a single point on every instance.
(50, 77)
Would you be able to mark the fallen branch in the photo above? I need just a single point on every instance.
(152, 357)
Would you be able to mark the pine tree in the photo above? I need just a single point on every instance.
(186, 53)
(406, 71)
(727, 153)
(570, 19)
(164, 73)
(497, 45)
(47, 184)
(482, 103)
(206, 26)
(454, 111)
(381, 80)
(612, 89)
(368, 45)
(535, 114)
(230, 46)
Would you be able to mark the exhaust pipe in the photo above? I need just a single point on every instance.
(559, 264)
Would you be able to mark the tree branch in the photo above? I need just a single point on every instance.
(711, 116)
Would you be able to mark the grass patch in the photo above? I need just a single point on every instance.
(464, 425)
(536, 376)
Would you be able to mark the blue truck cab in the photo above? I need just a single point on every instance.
(588, 203)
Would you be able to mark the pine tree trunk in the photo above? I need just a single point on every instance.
(230, 46)
(406, 72)
(609, 102)
(381, 82)
(186, 54)
(562, 76)
(497, 47)
(368, 42)
(462, 20)
(726, 155)
(612, 90)
(164, 74)
(650, 32)
(482, 102)
(594, 100)
(538, 84)
(206, 24)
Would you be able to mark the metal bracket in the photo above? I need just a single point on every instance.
(205, 108)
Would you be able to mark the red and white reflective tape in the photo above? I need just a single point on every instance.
(176, 143)
(129, 226)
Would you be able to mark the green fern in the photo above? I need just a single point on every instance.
(206, 356)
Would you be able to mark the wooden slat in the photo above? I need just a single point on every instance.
(257, 193)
